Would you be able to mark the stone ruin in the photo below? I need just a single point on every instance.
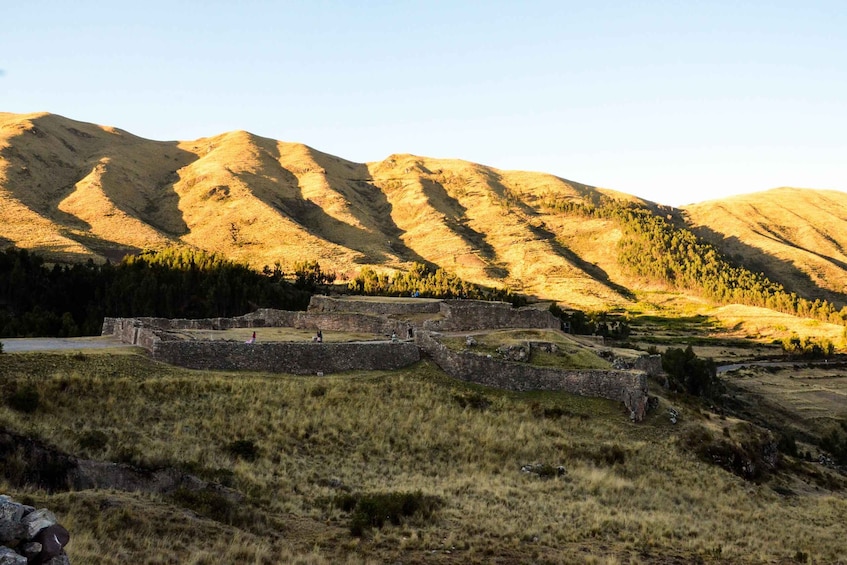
(30, 536)
(414, 327)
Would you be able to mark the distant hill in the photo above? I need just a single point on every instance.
(796, 236)
(74, 190)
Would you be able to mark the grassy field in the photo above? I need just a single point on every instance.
(275, 334)
(568, 354)
(805, 399)
(629, 494)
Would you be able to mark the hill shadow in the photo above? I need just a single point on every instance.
(541, 233)
(777, 270)
(594, 271)
(455, 218)
(376, 241)
(113, 251)
(161, 211)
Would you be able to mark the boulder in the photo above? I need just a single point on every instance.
(11, 514)
(11, 557)
(37, 521)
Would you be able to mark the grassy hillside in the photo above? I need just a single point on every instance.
(795, 236)
(75, 190)
(299, 447)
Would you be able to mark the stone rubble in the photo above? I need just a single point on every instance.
(21, 535)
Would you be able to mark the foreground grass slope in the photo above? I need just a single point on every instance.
(294, 445)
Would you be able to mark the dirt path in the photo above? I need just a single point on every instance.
(19, 345)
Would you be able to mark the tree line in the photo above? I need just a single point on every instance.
(40, 299)
(654, 248)
(424, 281)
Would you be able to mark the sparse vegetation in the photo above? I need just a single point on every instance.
(438, 464)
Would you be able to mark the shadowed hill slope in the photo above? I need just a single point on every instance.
(73, 190)
(795, 236)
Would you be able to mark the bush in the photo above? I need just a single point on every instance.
(374, 510)
(688, 373)
(210, 504)
(94, 440)
(475, 400)
(24, 400)
(243, 449)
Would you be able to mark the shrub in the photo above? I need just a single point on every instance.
(243, 449)
(752, 457)
(788, 445)
(210, 504)
(374, 510)
(24, 400)
(475, 400)
(94, 440)
(688, 373)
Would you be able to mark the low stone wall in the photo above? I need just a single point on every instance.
(466, 315)
(296, 358)
(131, 330)
(629, 387)
(386, 307)
(650, 364)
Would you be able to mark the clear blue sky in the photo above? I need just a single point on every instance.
(675, 101)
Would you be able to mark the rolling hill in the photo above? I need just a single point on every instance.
(74, 190)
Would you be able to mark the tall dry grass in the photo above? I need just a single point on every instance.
(630, 494)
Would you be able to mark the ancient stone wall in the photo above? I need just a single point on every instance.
(127, 329)
(629, 387)
(386, 307)
(465, 315)
(133, 331)
(650, 364)
(284, 357)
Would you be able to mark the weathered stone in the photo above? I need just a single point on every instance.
(11, 557)
(11, 514)
(518, 353)
(59, 560)
(31, 550)
(37, 521)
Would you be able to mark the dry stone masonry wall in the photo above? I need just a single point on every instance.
(628, 387)
(420, 318)
(295, 358)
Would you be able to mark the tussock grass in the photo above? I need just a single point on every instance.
(630, 493)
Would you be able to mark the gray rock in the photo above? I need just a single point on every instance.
(31, 549)
(60, 560)
(10, 557)
(37, 521)
(514, 352)
(11, 514)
